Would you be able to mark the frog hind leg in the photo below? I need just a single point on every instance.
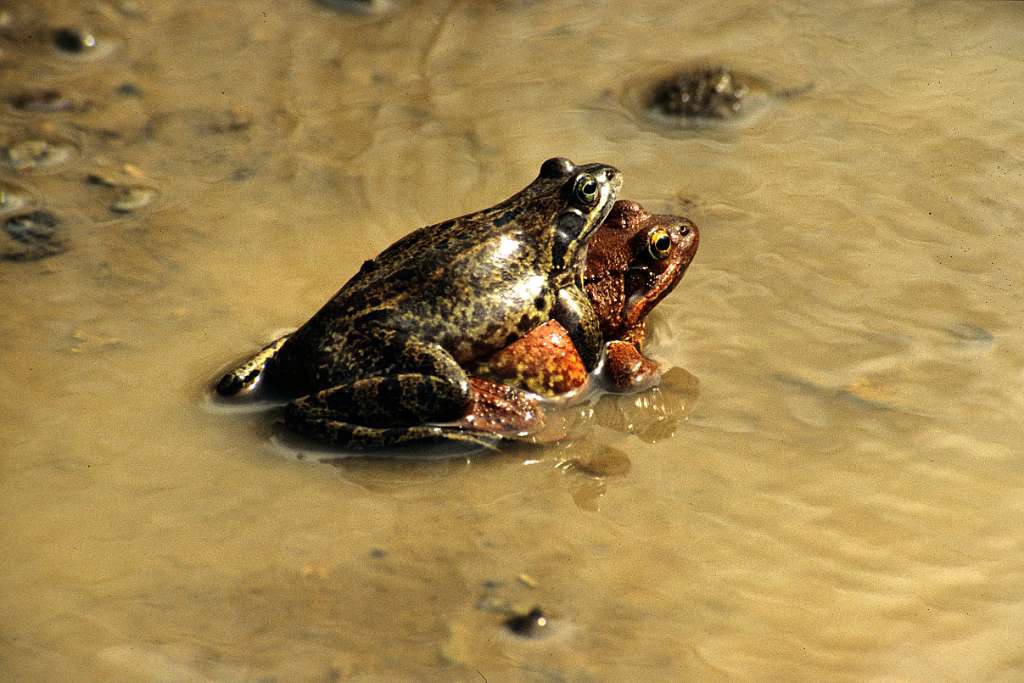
(497, 414)
(502, 410)
(417, 383)
(245, 377)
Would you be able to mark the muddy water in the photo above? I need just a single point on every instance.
(829, 488)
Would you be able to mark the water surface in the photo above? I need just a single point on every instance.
(839, 498)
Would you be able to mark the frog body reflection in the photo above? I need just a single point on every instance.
(634, 260)
(382, 361)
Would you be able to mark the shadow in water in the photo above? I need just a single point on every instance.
(575, 443)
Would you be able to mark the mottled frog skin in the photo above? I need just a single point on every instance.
(382, 361)
(634, 260)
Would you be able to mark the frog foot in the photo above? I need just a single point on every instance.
(245, 377)
(628, 369)
(495, 413)
(501, 410)
(362, 438)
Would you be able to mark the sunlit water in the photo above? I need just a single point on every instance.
(839, 492)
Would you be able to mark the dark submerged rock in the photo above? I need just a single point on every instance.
(132, 198)
(73, 41)
(357, 6)
(47, 100)
(529, 625)
(129, 90)
(32, 236)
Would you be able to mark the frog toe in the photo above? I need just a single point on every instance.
(317, 423)
(246, 376)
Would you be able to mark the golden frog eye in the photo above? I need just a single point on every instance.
(659, 243)
(586, 189)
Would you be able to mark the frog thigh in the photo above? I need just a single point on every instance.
(245, 376)
(384, 380)
(398, 400)
(575, 313)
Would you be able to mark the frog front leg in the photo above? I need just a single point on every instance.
(636, 335)
(575, 313)
(626, 366)
(628, 369)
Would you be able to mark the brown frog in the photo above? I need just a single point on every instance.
(633, 261)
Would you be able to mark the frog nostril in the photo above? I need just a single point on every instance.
(609, 173)
(684, 230)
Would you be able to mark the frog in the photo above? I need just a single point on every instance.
(713, 92)
(634, 260)
(382, 362)
(702, 92)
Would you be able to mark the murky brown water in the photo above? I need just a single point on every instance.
(843, 501)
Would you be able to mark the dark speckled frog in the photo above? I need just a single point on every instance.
(633, 261)
(382, 361)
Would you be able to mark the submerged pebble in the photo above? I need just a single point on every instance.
(82, 44)
(129, 90)
(358, 6)
(32, 236)
(47, 100)
(35, 153)
(528, 581)
(100, 180)
(529, 625)
(124, 195)
(133, 198)
(73, 40)
(13, 198)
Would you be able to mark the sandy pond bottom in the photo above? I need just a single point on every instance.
(832, 488)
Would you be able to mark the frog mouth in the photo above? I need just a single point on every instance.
(646, 295)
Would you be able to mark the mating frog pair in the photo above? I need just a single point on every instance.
(633, 261)
(384, 361)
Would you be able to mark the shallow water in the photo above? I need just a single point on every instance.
(839, 498)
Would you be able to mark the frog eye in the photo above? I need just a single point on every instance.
(586, 189)
(659, 243)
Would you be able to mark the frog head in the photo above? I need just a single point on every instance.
(565, 205)
(634, 261)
